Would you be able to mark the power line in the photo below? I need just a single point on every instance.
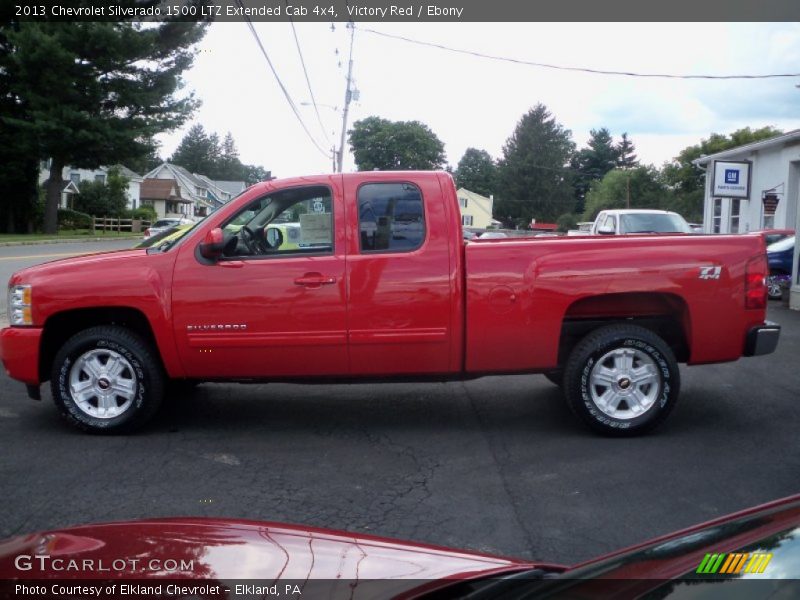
(308, 81)
(568, 68)
(280, 83)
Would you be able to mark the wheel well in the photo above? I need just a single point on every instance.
(62, 326)
(666, 315)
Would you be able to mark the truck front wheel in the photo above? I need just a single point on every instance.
(622, 380)
(106, 380)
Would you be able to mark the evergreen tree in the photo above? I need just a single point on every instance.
(626, 153)
(229, 167)
(477, 172)
(92, 93)
(198, 152)
(592, 163)
(533, 179)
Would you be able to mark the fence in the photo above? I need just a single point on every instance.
(104, 224)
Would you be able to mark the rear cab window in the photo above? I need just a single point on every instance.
(391, 217)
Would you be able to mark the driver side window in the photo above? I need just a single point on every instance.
(294, 221)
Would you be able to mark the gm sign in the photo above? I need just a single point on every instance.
(731, 179)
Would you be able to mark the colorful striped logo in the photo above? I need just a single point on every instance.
(734, 564)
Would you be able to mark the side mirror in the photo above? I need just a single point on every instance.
(274, 238)
(213, 244)
(606, 230)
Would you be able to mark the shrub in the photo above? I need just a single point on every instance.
(146, 213)
(72, 219)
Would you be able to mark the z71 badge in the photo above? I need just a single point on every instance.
(710, 272)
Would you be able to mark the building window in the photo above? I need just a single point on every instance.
(75, 178)
(717, 220)
(462, 202)
(146, 202)
(100, 178)
(736, 205)
(466, 220)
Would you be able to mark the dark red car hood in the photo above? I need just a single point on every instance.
(232, 549)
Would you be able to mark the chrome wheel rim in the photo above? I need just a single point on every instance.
(773, 287)
(103, 384)
(624, 383)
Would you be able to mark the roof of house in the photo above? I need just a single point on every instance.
(126, 172)
(195, 180)
(786, 138)
(234, 188)
(178, 171)
(159, 189)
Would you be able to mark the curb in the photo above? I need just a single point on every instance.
(68, 241)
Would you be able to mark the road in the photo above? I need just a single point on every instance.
(14, 258)
(496, 465)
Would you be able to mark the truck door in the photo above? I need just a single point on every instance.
(275, 303)
(400, 283)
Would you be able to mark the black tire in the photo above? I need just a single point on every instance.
(609, 344)
(139, 365)
(556, 377)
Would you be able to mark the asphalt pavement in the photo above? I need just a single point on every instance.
(497, 464)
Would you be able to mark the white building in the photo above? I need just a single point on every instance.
(73, 177)
(206, 195)
(755, 187)
(476, 210)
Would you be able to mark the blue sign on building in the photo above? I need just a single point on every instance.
(731, 176)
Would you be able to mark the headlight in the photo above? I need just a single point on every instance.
(19, 305)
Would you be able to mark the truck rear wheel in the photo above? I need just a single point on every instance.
(106, 380)
(622, 380)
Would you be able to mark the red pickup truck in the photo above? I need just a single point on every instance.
(366, 276)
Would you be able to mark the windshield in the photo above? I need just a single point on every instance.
(653, 223)
(782, 246)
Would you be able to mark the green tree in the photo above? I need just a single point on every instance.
(228, 166)
(643, 183)
(95, 92)
(567, 221)
(198, 152)
(254, 174)
(477, 172)
(533, 179)
(626, 153)
(19, 165)
(103, 199)
(687, 181)
(394, 145)
(592, 163)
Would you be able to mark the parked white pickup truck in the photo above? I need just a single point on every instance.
(630, 220)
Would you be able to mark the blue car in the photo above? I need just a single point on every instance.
(779, 256)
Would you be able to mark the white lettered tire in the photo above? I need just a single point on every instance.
(622, 380)
(106, 379)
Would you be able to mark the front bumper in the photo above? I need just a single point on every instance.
(19, 351)
(762, 339)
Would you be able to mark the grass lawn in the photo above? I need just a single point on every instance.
(66, 234)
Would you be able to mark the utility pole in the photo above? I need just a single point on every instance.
(348, 95)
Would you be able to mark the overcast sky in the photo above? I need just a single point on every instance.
(469, 101)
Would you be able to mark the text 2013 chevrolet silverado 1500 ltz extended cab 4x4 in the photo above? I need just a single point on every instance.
(376, 282)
